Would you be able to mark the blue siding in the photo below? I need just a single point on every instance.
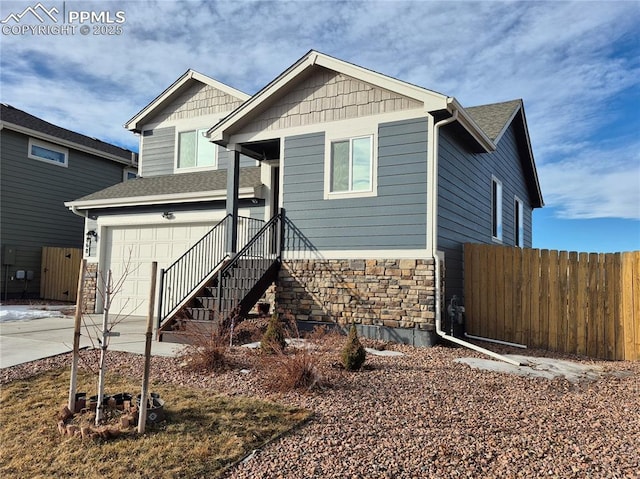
(158, 152)
(394, 219)
(464, 199)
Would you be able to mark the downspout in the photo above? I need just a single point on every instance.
(433, 201)
(74, 210)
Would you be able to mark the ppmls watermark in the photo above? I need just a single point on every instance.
(61, 20)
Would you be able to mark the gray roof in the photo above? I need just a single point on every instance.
(175, 184)
(495, 117)
(10, 114)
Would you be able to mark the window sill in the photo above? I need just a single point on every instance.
(349, 195)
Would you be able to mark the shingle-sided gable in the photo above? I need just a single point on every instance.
(323, 95)
(367, 91)
(196, 99)
(193, 94)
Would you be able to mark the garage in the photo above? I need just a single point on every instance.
(129, 252)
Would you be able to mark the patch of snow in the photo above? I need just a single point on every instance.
(13, 312)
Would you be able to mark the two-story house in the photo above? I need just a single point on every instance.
(42, 166)
(371, 184)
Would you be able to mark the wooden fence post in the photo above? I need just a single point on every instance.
(142, 418)
(76, 338)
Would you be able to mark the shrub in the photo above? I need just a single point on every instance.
(207, 350)
(273, 340)
(288, 372)
(326, 339)
(353, 353)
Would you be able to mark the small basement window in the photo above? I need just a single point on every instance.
(48, 152)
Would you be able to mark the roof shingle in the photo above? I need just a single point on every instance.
(174, 184)
(10, 114)
(493, 118)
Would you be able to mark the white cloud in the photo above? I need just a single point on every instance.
(567, 60)
(590, 185)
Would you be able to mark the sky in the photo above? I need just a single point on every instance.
(576, 65)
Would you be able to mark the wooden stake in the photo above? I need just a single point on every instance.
(103, 348)
(76, 338)
(142, 418)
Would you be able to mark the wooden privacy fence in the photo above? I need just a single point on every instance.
(59, 273)
(582, 303)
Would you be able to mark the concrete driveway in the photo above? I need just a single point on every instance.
(29, 340)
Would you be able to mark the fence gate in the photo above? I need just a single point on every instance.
(59, 273)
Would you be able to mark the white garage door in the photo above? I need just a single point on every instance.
(130, 252)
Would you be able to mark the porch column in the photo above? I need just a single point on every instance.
(233, 188)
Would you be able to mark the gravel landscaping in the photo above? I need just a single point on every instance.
(421, 414)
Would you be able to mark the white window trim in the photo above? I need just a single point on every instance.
(48, 146)
(176, 159)
(499, 211)
(518, 222)
(335, 133)
(125, 174)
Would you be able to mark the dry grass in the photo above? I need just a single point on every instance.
(293, 370)
(202, 434)
(207, 351)
(304, 367)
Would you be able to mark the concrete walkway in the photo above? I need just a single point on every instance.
(24, 341)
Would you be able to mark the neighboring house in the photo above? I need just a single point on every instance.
(380, 182)
(42, 166)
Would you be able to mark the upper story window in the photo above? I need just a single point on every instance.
(43, 151)
(518, 222)
(195, 151)
(129, 174)
(351, 166)
(496, 209)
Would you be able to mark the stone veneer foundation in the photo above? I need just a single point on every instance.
(387, 299)
(90, 285)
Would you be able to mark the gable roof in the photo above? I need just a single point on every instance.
(166, 96)
(486, 123)
(183, 188)
(17, 120)
(220, 132)
(494, 119)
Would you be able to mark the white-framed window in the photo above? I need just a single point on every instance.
(195, 151)
(496, 209)
(518, 222)
(350, 164)
(48, 152)
(129, 174)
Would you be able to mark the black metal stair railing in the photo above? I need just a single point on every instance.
(191, 270)
(239, 281)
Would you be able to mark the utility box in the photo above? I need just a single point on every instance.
(8, 255)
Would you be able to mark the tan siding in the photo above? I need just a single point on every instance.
(197, 100)
(324, 96)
